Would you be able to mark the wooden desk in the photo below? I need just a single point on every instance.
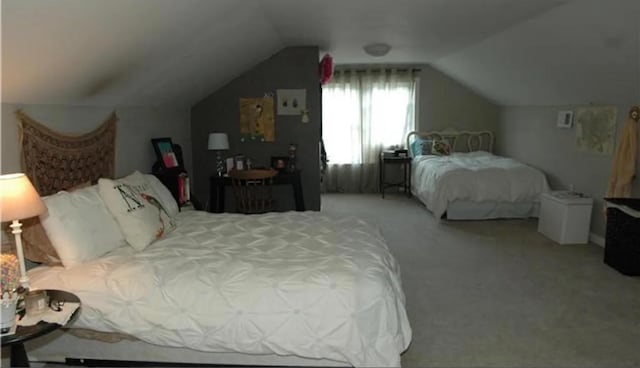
(217, 189)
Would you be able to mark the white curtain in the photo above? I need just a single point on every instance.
(362, 113)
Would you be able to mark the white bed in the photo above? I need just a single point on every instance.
(295, 288)
(471, 183)
(298, 284)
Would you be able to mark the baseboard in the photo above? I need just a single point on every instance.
(596, 239)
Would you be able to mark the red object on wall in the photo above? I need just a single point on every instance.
(326, 69)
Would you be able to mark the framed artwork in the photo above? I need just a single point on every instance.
(164, 151)
(291, 101)
(256, 119)
(279, 163)
(565, 119)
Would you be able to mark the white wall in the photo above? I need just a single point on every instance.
(445, 103)
(530, 135)
(135, 128)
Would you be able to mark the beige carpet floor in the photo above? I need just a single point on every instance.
(499, 294)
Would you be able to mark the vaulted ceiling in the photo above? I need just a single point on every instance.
(175, 52)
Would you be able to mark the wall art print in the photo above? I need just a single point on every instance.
(256, 119)
(291, 101)
(595, 129)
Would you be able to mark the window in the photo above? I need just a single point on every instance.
(364, 112)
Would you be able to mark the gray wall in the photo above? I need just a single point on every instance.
(530, 135)
(291, 68)
(135, 127)
(445, 103)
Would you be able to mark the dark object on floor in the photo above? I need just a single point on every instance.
(622, 247)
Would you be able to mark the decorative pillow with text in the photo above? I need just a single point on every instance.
(137, 209)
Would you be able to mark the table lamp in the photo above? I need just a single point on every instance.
(19, 200)
(218, 142)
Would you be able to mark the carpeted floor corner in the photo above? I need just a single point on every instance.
(499, 294)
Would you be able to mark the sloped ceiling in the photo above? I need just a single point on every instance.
(176, 52)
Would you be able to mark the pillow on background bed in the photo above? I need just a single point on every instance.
(136, 208)
(164, 195)
(441, 147)
(421, 146)
(79, 226)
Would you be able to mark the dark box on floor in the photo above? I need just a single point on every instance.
(622, 247)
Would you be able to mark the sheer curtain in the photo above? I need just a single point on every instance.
(363, 112)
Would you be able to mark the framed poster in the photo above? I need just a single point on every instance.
(164, 150)
(256, 119)
(291, 101)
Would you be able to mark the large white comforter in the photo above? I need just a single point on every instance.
(295, 283)
(475, 176)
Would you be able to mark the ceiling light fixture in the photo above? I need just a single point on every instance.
(377, 49)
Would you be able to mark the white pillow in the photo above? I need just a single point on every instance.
(164, 195)
(136, 208)
(79, 226)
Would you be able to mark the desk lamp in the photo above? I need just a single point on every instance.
(19, 200)
(218, 142)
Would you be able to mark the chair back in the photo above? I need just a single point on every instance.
(252, 190)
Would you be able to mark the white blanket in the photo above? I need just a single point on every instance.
(295, 283)
(475, 176)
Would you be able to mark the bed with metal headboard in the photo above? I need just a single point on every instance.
(457, 176)
(460, 140)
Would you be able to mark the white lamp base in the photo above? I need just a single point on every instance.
(16, 229)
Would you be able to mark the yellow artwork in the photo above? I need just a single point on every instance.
(256, 119)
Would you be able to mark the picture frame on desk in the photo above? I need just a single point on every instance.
(280, 163)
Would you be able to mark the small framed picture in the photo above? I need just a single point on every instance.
(279, 162)
(291, 101)
(239, 162)
(164, 150)
(565, 119)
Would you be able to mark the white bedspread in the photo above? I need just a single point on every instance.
(475, 176)
(295, 283)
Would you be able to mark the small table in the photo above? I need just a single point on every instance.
(217, 186)
(25, 333)
(405, 183)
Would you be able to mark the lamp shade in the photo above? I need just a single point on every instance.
(218, 141)
(18, 198)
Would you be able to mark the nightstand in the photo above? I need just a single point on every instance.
(25, 333)
(405, 164)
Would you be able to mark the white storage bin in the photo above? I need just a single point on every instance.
(565, 217)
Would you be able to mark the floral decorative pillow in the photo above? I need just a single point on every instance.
(137, 209)
(441, 147)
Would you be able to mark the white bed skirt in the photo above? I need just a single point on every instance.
(469, 210)
(59, 345)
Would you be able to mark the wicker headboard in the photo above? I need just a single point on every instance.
(460, 140)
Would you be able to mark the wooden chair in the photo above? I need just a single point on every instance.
(252, 190)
